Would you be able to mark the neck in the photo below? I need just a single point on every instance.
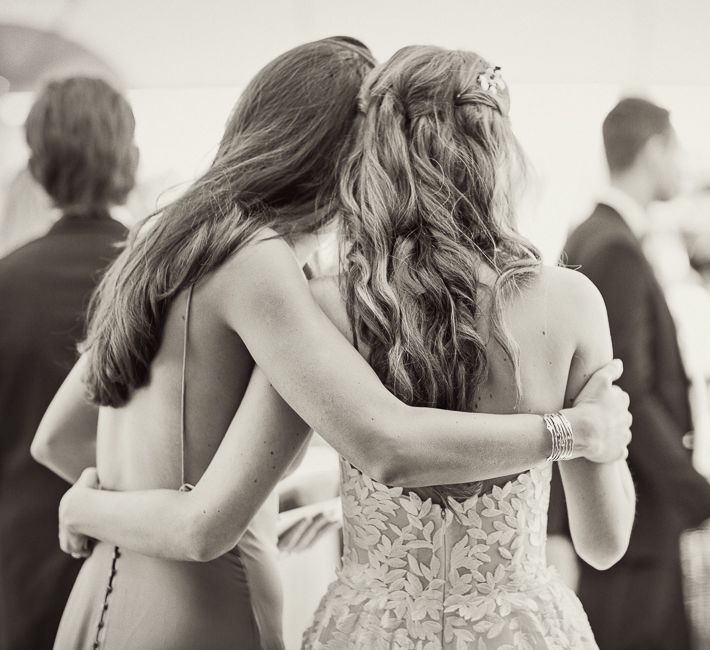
(87, 212)
(304, 246)
(635, 186)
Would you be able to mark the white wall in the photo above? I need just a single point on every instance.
(566, 61)
(222, 42)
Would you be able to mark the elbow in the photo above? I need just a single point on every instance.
(203, 543)
(380, 464)
(602, 554)
(394, 467)
(602, 562)
(201, 553)
(39, 450)
(200, 546)
(382, 456)
(387, 470)
(45, 453)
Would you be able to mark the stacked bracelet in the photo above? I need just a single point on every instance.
(562, 436)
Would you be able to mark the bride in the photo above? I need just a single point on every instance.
(452, 308)
(259, 300)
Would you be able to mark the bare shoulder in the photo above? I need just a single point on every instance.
(564, 300)
(266, 253)
(266, 262)
(573, 300)
(261, 281)
(326, 291)
(568, 283)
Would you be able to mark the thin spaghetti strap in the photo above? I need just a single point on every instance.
(183, 387)
(353, 327)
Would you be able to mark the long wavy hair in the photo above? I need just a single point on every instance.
(429, 199)
(278, 165)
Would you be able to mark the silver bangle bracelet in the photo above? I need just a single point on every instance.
(562, 436)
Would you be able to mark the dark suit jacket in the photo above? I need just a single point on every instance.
(671, 495)
(44, 290)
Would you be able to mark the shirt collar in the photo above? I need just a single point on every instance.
(96, 220)
(628, 208)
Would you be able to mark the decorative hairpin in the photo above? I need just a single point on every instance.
(491, 80)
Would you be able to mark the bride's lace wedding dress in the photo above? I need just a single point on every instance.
(469, 576)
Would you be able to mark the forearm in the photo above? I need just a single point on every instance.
(467, 447)
(402, 445)
(151, 522)
(65, 440)
(601, 505)
(66, 459)
(324, 379)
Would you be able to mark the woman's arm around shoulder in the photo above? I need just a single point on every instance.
(317, 371)
(262, 440)
(65, 441)
(600, 496)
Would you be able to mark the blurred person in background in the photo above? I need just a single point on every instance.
(639, 602)
(80, 133)
(27, 212)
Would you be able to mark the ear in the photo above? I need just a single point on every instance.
(653, 152)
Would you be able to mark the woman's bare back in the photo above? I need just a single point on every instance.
(139, 444)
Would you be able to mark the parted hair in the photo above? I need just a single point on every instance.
(428, 198)
(80, 132)
(278, 165)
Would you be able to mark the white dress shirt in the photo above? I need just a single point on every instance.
(631, 211)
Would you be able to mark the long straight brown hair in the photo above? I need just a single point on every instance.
(278, 165)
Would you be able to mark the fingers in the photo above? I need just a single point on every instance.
(89, 478)
(600, 381)
(289, 537)
(328, 527)
(306, 532)
(615, 368)
(625, 400)
(314, 532)
(75, 545)
(609, 373)
(622, 395)
(626, 439)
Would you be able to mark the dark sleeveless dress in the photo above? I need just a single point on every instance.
(127, 601)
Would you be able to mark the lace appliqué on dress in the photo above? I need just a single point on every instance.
(471, 576)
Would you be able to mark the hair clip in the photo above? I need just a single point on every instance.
(491, 80)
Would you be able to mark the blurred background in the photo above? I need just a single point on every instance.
(182, 65)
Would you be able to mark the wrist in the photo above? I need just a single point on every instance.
(545, 438)
(582, 427)
(69, 509)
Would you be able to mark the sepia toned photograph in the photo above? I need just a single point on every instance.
(333, 325)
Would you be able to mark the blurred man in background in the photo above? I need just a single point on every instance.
(81, 136)
(27, 212)
(638, 603)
